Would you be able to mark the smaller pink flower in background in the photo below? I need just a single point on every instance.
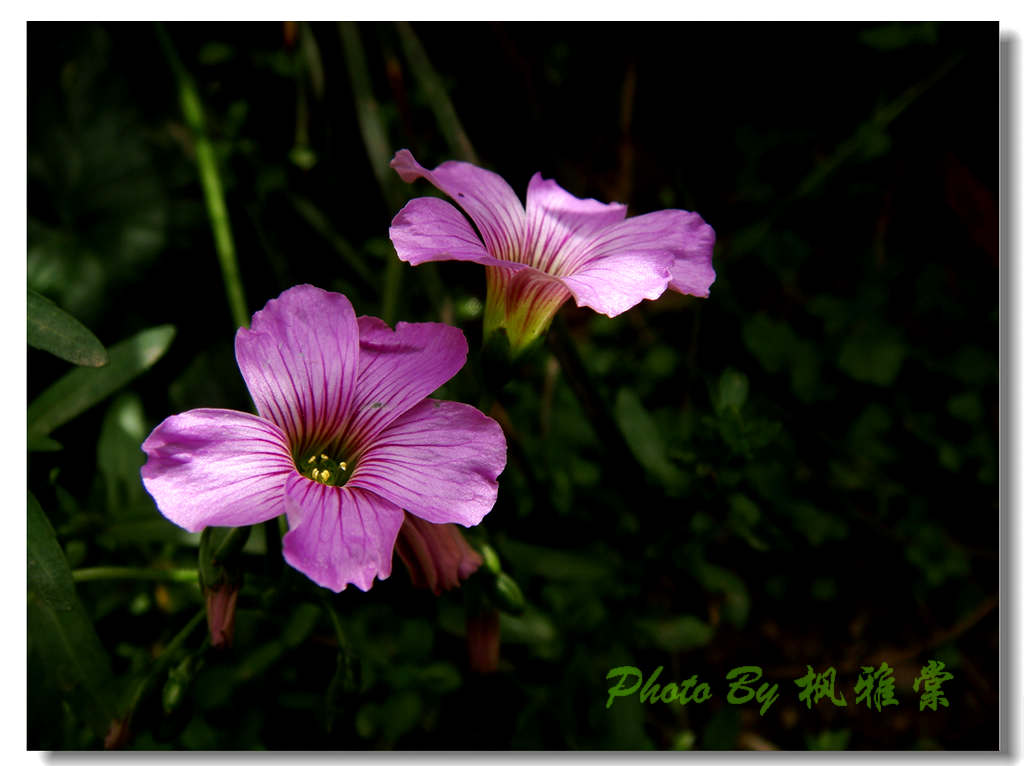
(556, 247)
(345, 439)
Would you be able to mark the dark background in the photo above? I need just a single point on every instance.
(813, 477)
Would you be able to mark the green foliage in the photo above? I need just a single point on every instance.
(778, 348)
(872, 358)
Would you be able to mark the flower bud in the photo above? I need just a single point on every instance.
(483, 640)
(221, 601)
(118, 734)
(507, 594)
(436, 555)
(491, 560)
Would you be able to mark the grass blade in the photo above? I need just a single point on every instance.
(436, 94)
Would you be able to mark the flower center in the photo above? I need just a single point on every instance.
(324, 469)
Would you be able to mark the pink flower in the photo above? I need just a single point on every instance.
(558, 246)
(344, 441)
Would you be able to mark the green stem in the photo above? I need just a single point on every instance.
(371, 126)
(392, 288)
(318, 221)
(343, 687)
(217, 563)
(165, 657)
(436, 94)
(378, 149)
(135, 573)
(176, 642)
(339, 632)
(209, 178)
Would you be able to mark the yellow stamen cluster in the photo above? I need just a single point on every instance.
(325, 469)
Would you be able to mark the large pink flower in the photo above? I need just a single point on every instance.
(558, 246)
(344, 441)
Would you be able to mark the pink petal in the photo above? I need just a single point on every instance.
(628, 261)
(217, 468)
(485, 196)
(339, 535)
(545, 198)
(299, 361)
(681, 234)
(439, 461)
(430, 229)
(615, 283)
(559, 224)
(692, 273)
(398, 369)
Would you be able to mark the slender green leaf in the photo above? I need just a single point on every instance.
(51, 328)
(60, 630)
(82, 388)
